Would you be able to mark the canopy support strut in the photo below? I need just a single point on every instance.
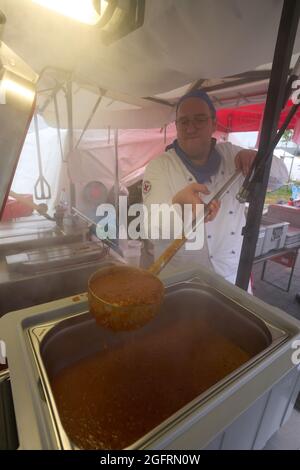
(69, 99)
(275, 98)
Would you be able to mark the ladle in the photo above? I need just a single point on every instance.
(125, 297)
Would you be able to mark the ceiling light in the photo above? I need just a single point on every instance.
(121, 18)
(80, 10)
(114, 18)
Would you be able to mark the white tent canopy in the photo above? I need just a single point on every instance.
(27, 170)
(140, 77)
(94, 160)
(180, 43)
(291, 162)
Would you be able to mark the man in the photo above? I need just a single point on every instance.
(191, 170)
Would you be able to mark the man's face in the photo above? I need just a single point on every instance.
(195, 126)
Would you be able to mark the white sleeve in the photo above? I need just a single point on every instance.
(278, 174)
(229, 151)
(156, 187)
(235, 149)
(157, 190)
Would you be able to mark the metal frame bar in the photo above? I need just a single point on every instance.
(55, 90)
(295, 251)
(116, 188)
(69, 99)
(93, 112)
(53, 96)
(276, 92)
(238, 82)
(45, 186)
(58, 127)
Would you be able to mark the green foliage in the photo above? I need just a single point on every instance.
(287, 135)
(282, 194)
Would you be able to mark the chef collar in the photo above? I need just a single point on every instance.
(203, 173)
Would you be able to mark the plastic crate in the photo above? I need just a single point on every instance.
(260, 242)
(275, 235)
(292, 237)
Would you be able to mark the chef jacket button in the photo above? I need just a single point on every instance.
(227, 192)
(230, 212)
(190, 178)
(232, 233)
(233, 252)
(222, 173)
(208, 236)
(211, 256)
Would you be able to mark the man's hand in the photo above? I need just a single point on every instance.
(244, 159)
(191, 195)
(214, 207)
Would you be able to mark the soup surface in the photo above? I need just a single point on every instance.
(116, 396)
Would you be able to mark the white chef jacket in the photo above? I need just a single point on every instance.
(167, 174)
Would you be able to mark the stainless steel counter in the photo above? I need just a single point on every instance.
(35, 231)
(39, 263)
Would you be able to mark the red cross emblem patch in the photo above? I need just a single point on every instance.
(146, 187)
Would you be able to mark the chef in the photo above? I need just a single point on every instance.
(191, 171)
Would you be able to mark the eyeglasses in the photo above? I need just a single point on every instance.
(197, 121)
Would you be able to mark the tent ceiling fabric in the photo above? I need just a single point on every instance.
(180, 42)
(115, 112)
(109, 113)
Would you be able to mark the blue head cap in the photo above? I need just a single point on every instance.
(198, 94)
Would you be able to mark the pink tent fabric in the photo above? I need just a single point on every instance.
(248, 118)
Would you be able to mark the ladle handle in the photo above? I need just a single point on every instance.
(172, 249)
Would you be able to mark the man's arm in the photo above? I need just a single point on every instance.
(278, 174)
(156, 190)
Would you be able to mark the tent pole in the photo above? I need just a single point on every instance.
(116, 188)
(291, 168)
(58, 128)
(275, 97)
(54, 93)
(92, 114)
(69, 98)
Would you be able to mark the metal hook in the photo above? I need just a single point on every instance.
(45, 192)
